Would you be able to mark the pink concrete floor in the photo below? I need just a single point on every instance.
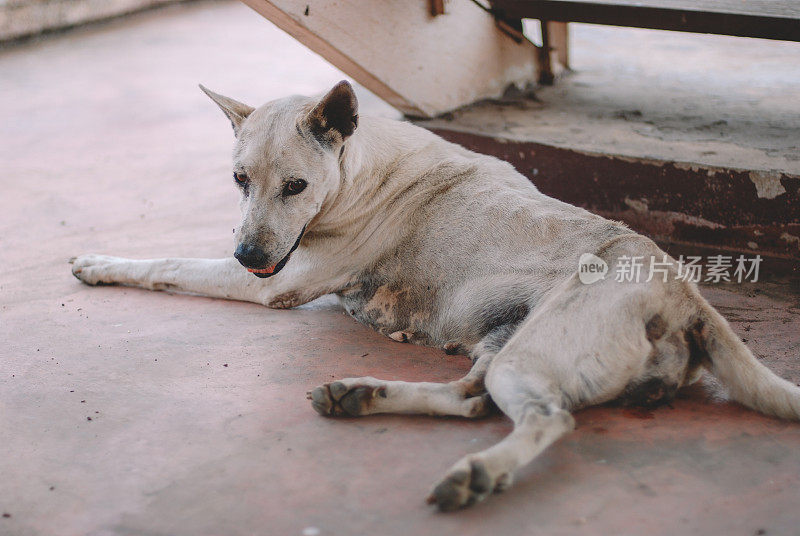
(126, 412)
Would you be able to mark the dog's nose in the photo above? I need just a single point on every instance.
(250, 256)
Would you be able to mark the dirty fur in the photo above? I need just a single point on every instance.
(429, 243)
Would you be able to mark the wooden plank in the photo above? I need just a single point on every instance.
(779, 19)
(423, 65)
(559, 42)
(770, 8)
(546, 74)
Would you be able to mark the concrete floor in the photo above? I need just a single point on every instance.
(126, 412)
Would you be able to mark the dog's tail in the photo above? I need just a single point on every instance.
(748, 381)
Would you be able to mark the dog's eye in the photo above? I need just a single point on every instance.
(294, 187)
(240, 178)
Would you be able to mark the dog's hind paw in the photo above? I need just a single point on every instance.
(343, 398)
(467, 483)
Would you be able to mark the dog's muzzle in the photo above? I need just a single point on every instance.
(255, 259)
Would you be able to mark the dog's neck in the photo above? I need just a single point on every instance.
(380, 160)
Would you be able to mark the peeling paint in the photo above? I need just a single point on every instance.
(638, 205)
(791, 239)
(768, 184)
(662, 222)
(695, 168)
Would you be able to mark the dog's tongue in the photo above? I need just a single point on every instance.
(267, 270)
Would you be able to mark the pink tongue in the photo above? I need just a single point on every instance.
(262, 270)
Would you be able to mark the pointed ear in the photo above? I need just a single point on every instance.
(236, 111)
(335, 117)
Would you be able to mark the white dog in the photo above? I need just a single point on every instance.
(429, 243)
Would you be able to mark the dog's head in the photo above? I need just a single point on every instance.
(286, 165)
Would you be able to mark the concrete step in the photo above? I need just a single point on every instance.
(692, 139)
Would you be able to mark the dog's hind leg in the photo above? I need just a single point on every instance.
(539, 419)
(582, 345)
(365, 396)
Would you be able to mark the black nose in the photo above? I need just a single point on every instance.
(250, 256)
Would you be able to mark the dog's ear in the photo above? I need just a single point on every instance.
(236, 111)
(335, 117)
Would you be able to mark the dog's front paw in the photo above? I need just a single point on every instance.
(94, 269)
(467, 483)
(349, 397)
